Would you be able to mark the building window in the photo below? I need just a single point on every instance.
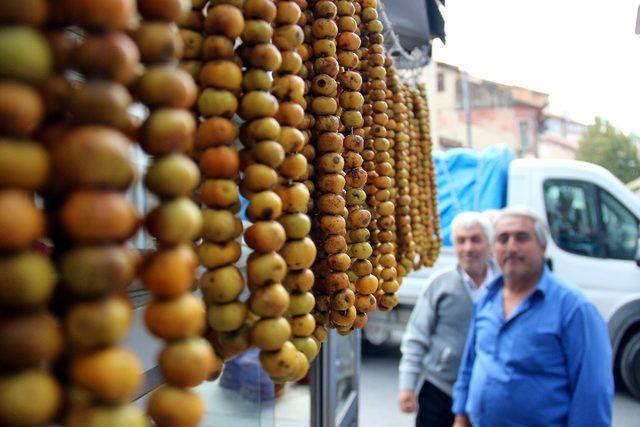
(440, 82)
(525, 141)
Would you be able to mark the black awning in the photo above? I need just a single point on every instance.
(415, 22)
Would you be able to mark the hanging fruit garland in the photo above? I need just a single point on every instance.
(221, 81)
(391, 279)
(308, 126)
(406, 252)
(175, 315)
(368, 154)
(30, 337)
(420, 223)
(331, 279)
(266, 269)
(342, 302)
(429, 196)
(91, 169)
(376, 156)
(351, 102)
(299, 250)
(417, 225)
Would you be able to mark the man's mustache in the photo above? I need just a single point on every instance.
(514, 256)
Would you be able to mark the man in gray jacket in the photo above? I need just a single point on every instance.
(434, 339)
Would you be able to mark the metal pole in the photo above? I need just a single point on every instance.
(466, 105)
(319, 384)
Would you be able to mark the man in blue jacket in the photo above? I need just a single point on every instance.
(537, 352)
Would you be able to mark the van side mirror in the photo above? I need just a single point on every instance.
(638, 252)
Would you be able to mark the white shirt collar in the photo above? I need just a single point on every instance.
(471, 285)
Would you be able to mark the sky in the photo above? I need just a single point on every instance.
(584, 53)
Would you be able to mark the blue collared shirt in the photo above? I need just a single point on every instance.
(548, 364)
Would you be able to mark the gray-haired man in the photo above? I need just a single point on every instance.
(538, 352)
(434, 339)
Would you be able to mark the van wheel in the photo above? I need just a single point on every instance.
(630, 365)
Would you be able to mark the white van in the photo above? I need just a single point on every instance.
(594, 223)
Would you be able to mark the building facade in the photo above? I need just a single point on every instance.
(560, 137)
(487, 112)
(477, 113)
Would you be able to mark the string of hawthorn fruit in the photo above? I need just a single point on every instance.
(406, 246)
(27, 277)
(377, 160)
(92, 170)
(417, 224)
(391, 126)
(174, 315)
(429, 196)
(221, 81)
(330, 204)
(420, 170)
(340, 299)
(88, 133)
(361, 282)
(309, 151)
(266, 267)
(290, 90)
(390, 275)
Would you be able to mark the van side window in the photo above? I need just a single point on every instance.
(620, 226)
(572, 216)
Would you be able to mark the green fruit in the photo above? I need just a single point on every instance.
(23, 164)
(28, 398)
(359, 235)
(213, 102)
(270, 334)
(269, 301)
(93, 271)
(296, 225)
(175, 221)
(26, 280)
(307, 345)
(361, 250)
(25, 54)
(172, 176)
(221, 285)
(355, 196)
(301, 303)
(281, 362)
(93, 324)
(227, 317)
(29, 340)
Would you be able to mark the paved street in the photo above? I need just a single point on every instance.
(379, 383)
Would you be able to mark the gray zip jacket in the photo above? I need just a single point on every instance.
(434, 340)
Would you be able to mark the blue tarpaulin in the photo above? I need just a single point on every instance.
(470, 181)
